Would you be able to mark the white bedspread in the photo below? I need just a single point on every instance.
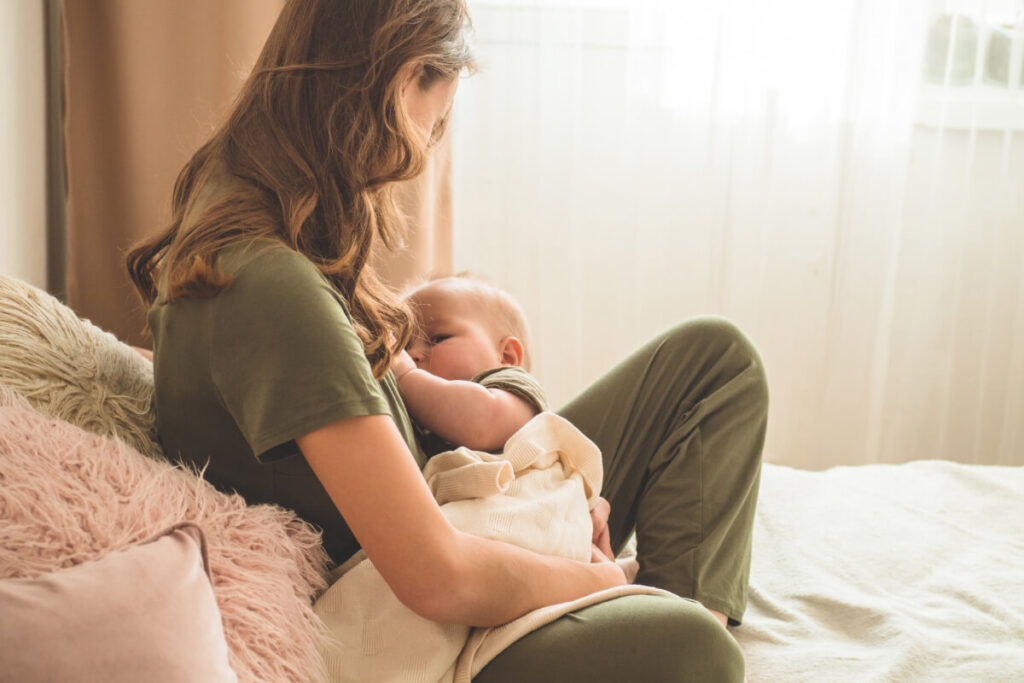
(887, 573)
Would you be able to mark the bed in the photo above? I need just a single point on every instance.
(909, 572)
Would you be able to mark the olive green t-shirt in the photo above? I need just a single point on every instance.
(272, 357)
(510, 378)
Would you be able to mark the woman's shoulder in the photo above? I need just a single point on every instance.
(264, 258)
(268, 285)
(266, 268)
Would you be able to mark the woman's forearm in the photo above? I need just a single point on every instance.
(496, 582)
(463, 413)
(436, 570)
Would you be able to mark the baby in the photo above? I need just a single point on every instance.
(464, 381)
(464, 375)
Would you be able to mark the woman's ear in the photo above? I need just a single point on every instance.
(510, 350)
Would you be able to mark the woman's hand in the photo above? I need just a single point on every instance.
(599, 516)
(618, 575)
(597, 555)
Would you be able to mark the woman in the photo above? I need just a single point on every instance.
(274, 341)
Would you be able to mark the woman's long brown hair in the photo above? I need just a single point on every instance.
(317, 137)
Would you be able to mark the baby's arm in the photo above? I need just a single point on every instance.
(463, 413)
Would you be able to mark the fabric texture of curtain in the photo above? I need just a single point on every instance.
(842, 178)
(426, 202)
(147, 83)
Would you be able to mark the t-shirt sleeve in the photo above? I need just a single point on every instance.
(285, 359)
(516, 381)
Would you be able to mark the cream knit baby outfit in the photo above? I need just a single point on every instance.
(536, 494)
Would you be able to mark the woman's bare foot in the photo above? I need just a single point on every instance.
(721, 617)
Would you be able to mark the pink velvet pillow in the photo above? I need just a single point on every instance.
(68, 497)
(146, 613)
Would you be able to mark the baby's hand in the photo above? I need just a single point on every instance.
(402, 364)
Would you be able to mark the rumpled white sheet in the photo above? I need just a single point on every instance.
(908, 572)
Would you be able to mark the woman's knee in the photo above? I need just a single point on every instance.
(651, 638)
(732, 351)
(710, 652)
(713, 332)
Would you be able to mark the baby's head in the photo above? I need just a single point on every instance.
(466, 326)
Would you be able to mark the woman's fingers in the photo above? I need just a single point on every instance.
(603, 542)
(598, 555)
(602, 508)
(599, 516)
(601, 539)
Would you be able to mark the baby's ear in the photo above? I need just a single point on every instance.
(510, 350)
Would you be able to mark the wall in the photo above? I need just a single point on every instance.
(23, 139)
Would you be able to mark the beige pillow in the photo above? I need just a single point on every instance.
(70, 369)
(146, 613)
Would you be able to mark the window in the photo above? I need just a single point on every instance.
(973, 74)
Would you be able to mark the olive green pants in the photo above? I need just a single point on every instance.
(680, 424)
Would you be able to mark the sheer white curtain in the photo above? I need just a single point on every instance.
(842, 178)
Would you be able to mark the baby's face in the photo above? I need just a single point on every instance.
(454, 339)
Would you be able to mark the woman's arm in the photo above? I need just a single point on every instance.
(437, 571)
(464, 413)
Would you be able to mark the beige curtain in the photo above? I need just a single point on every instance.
(147, 82)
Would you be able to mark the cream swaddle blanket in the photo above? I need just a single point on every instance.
(536, 494)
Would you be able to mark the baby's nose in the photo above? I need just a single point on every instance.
(419, 352)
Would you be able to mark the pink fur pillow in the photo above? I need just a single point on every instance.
(146, 613)
(68, 497)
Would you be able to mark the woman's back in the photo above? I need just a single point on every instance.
(272, 357)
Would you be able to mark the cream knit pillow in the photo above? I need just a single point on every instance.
(72, 370)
